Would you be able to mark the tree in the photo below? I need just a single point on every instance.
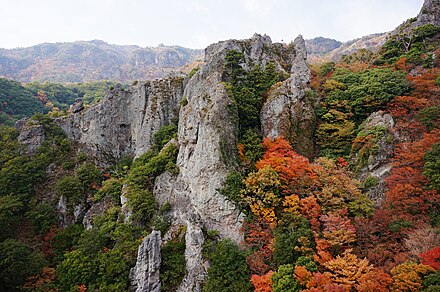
(348, 269)
(409, 276)
(17, 263)
(284, 280)
(262, 283)
(228, 270)
(431, 258)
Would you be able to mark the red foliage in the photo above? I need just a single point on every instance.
(294, 170)
(404, 110)
(258, 236)
(431, 258)
(311, 210)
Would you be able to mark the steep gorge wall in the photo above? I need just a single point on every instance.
(124, 122)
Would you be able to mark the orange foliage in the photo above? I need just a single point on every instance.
(374, 281)
(294, 170)
(323, 283)
(39, 282)
(338, 230)
(348, 269)
(302, 275)
(311, 210)
(262, 283)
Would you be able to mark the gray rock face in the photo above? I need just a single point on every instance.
(125, 121)
(145, 276)
(287, 112)
(97, 209)
(31, 135)
(208, 144)
(76, 106)
(429, 14)
(378, 165)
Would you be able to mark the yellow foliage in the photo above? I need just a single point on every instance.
(409, 276)
(348, 269)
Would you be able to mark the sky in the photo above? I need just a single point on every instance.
(195, 23)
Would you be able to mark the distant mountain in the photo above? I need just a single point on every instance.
(323, 49)
(321, 46)
(91, 61)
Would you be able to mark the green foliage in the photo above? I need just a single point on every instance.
(252, 150)
(172, 267)
(10, 209)
(369, 182)
(293, 239)
(17, 262)
(183, 101)
(432, 166)
(308, 263)
(71, 188)
(111, 188)
(399, 225)
(43, 217)
(416, 46)
(360, 56)
(362, 206)
(65, 240)
(192, 72)
(428, 116)
(247, 88)
(149, 166)
(17, 102)
(60, 95)
(102, 256)
(326, 68)
(335, 132)
(228, 270)
(283, 279)
(369, 90)
(163, 136)
(75, 269)
(366, 145)
(142, 204)
(431, 283)
(232, 187)
(89, 175)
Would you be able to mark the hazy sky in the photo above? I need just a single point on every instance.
(195, 23)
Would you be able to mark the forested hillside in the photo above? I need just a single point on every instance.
(85, 61)
(360, 213)
(23, 100)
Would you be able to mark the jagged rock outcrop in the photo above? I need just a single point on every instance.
(207, 139)
(429, 14)
(97, 209)
(376, 167)
(31, 135)
(287, 112)
(145, 276)
(125, 121)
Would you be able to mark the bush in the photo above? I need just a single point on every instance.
(228, 270)
(172, 267)
(17, 263)
(71, 188)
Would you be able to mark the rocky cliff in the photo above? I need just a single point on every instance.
(125, 120)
